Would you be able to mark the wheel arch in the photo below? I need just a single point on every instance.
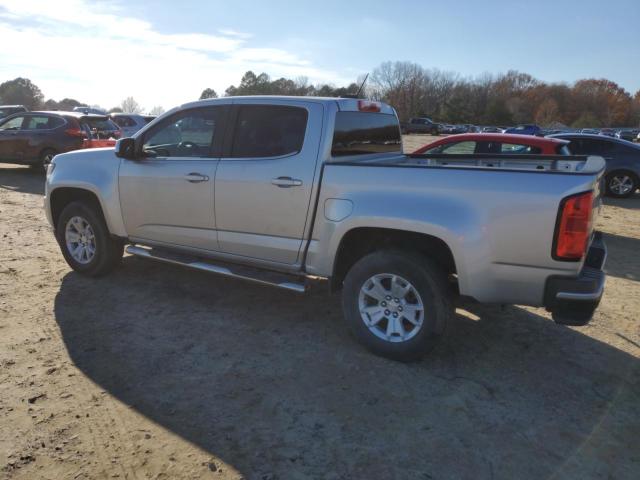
(63, 196)
(360, 241)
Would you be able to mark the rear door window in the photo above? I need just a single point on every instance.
(43, 122)
(358, 133)
(268, 131)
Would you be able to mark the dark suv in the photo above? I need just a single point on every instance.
(34, 138)
(420, 125)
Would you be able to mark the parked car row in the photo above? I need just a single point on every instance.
(34, 138)
(428, 126)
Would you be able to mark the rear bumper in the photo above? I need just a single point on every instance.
(573, 300)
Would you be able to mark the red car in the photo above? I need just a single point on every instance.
(95, 143)
(497, 143)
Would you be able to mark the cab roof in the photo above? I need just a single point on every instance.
(344, 104)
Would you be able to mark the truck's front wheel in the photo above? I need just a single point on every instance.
(396, 304)
(85, 241)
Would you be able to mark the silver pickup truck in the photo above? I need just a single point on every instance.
(279, 190)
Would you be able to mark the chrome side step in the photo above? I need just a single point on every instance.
(274, 279)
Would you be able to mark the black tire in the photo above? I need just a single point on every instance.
(43, 160)
(613, 179)
(429, 281)
(108, 251)
(435, 132)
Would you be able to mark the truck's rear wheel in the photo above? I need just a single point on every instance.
(396, 304)
(85, 241)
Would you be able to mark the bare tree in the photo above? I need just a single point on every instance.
(157, 110)
(129, 105)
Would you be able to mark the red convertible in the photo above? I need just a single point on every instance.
(497, 143)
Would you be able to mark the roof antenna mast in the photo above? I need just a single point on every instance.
(362, 85)
(357, 94)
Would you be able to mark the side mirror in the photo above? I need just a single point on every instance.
(126, 148)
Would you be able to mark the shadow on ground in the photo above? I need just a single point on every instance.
(632, 202)
(22, 179)
(271, 383)
(620, 250)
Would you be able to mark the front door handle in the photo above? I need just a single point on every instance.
(194, 177)
(286, 182)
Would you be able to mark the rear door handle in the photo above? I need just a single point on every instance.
(194, 177)
(286, 182)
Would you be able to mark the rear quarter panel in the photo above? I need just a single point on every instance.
(499, 225)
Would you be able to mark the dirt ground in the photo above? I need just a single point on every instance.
(159, 372)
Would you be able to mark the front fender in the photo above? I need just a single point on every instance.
(93, 170)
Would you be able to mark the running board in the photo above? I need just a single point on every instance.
(264, 277)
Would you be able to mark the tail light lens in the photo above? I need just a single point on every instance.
(75, 132)
(574, 227)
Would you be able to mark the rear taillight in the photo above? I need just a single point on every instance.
(368, 106)
(574, 227)
(75, 132)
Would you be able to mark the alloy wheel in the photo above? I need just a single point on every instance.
(80, 240)
(621, 184)
(391, 307)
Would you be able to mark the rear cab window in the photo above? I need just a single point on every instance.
(268, 131)
(360, 133)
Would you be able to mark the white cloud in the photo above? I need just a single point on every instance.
(97, 54)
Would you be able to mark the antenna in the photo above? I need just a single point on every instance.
(362, 85)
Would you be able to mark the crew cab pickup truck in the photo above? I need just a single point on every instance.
(280, 190)
(420, 125)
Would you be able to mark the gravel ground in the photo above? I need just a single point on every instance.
(159, 372)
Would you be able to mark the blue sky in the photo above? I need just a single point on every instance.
(165, 52)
